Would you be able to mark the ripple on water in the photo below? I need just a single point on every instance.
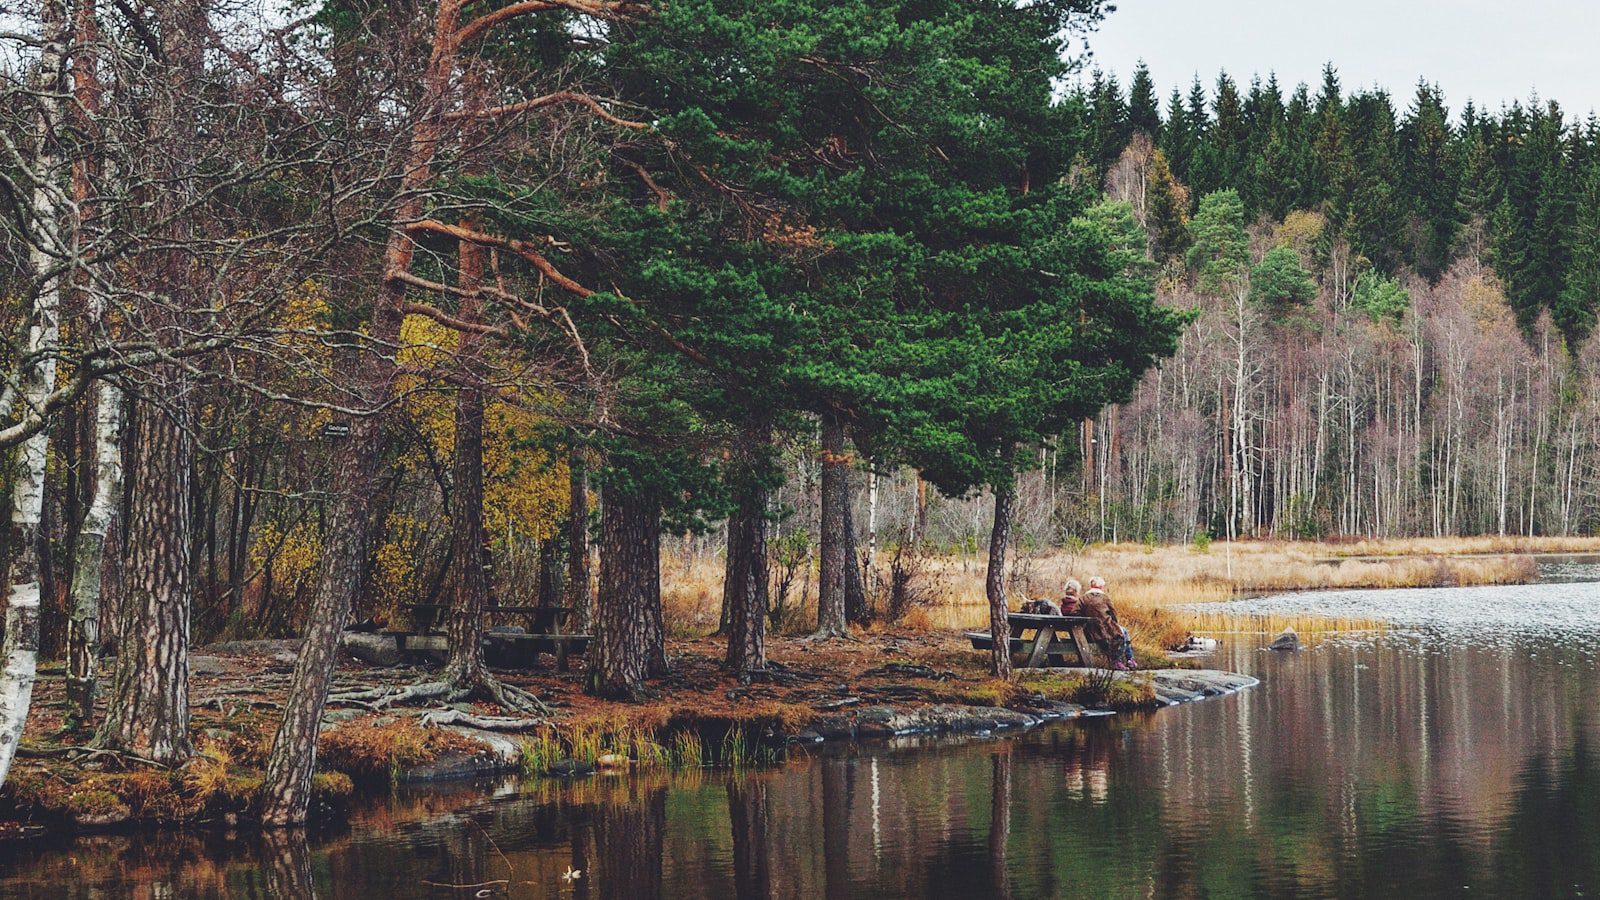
(1567, 612)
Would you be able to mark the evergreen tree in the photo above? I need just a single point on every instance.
(1280, 280)
(1166, 211)
(1220, 248)
(1144, 111)
(1178, 137)
(1575, 310)
(1430, 180)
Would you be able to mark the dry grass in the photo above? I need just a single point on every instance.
(374, 747)
(1147, 581)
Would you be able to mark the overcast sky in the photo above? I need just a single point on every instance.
(1492, 51)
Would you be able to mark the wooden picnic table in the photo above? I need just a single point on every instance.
(1053, 639)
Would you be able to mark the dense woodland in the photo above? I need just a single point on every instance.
(316, 312)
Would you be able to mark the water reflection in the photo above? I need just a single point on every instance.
(1411, 764)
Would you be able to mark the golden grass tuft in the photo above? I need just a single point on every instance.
(369, 748)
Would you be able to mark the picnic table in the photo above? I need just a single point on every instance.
(1054, 640)
(502, 649)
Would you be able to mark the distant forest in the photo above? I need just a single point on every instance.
(1410, 189)
(1392, 311)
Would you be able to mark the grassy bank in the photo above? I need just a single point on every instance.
(1148, 580)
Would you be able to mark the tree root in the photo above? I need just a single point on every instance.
(81, 753)
(481, 685)
(486, 723)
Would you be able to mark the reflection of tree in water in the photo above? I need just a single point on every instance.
(1550, 846)
(628, 843)
(747, 816)
(1000, 822)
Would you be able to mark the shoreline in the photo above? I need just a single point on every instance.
(880, 687)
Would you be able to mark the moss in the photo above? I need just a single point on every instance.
(328, 786)
(95, 804)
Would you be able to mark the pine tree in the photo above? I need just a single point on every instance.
(1178, 139)
(1166, 211)
(1575, 310)
(1144, 112)
(1220, 250)
(1279, 280)
(1430, 180)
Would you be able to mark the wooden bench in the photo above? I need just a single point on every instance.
(1055, 640)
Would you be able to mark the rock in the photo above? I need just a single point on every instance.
(207, 665)
(806, 737)
(834, 727)
(373, 649)
(1286, 641)
(611, 761)
(569, 768)
(841, 703)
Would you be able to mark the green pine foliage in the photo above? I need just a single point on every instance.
(1280, 280)
(1409, 190)
(1219, 251)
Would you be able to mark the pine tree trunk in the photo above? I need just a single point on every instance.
(834, 555)
(469, 578)
(745, 580)
(855, 593)
(287, 788)
(147, 709)
(469, 583)
(83, 626)
(630, 838)
(630, 557)
(579, 596)
(994, 582)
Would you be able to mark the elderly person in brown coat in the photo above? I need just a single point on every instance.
(1105, 630)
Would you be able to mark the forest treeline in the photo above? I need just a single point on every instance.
(319, 309)
(1402, 345)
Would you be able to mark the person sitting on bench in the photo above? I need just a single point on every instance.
(1105, 631)
(1071, 603)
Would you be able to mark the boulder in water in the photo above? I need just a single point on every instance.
(1286, 641)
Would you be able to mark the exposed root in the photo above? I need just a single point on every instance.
(831, 634)
(82, 753)
(487, 723)
(479, 686)
(381, 697)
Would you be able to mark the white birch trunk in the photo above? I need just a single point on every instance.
(19, 655)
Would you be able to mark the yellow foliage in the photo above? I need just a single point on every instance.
(294, 553)
(1300, 229)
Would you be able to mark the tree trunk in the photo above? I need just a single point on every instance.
(147, 710)
(579, 596)
(20, 652)
(744, 586)
(469, 594)
(83, 627)
(831, 590)
(994, 581)
(630, 579)
(287, 789)
(549, 582)
(469, 581)
(855, 593)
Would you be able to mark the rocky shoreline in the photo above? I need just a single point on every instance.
(504, 753)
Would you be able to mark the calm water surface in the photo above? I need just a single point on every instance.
(1458, 754)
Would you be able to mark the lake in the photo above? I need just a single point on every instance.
(1455, 754)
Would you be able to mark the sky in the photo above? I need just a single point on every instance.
(1493, 52)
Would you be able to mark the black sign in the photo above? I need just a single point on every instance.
(336, 430)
